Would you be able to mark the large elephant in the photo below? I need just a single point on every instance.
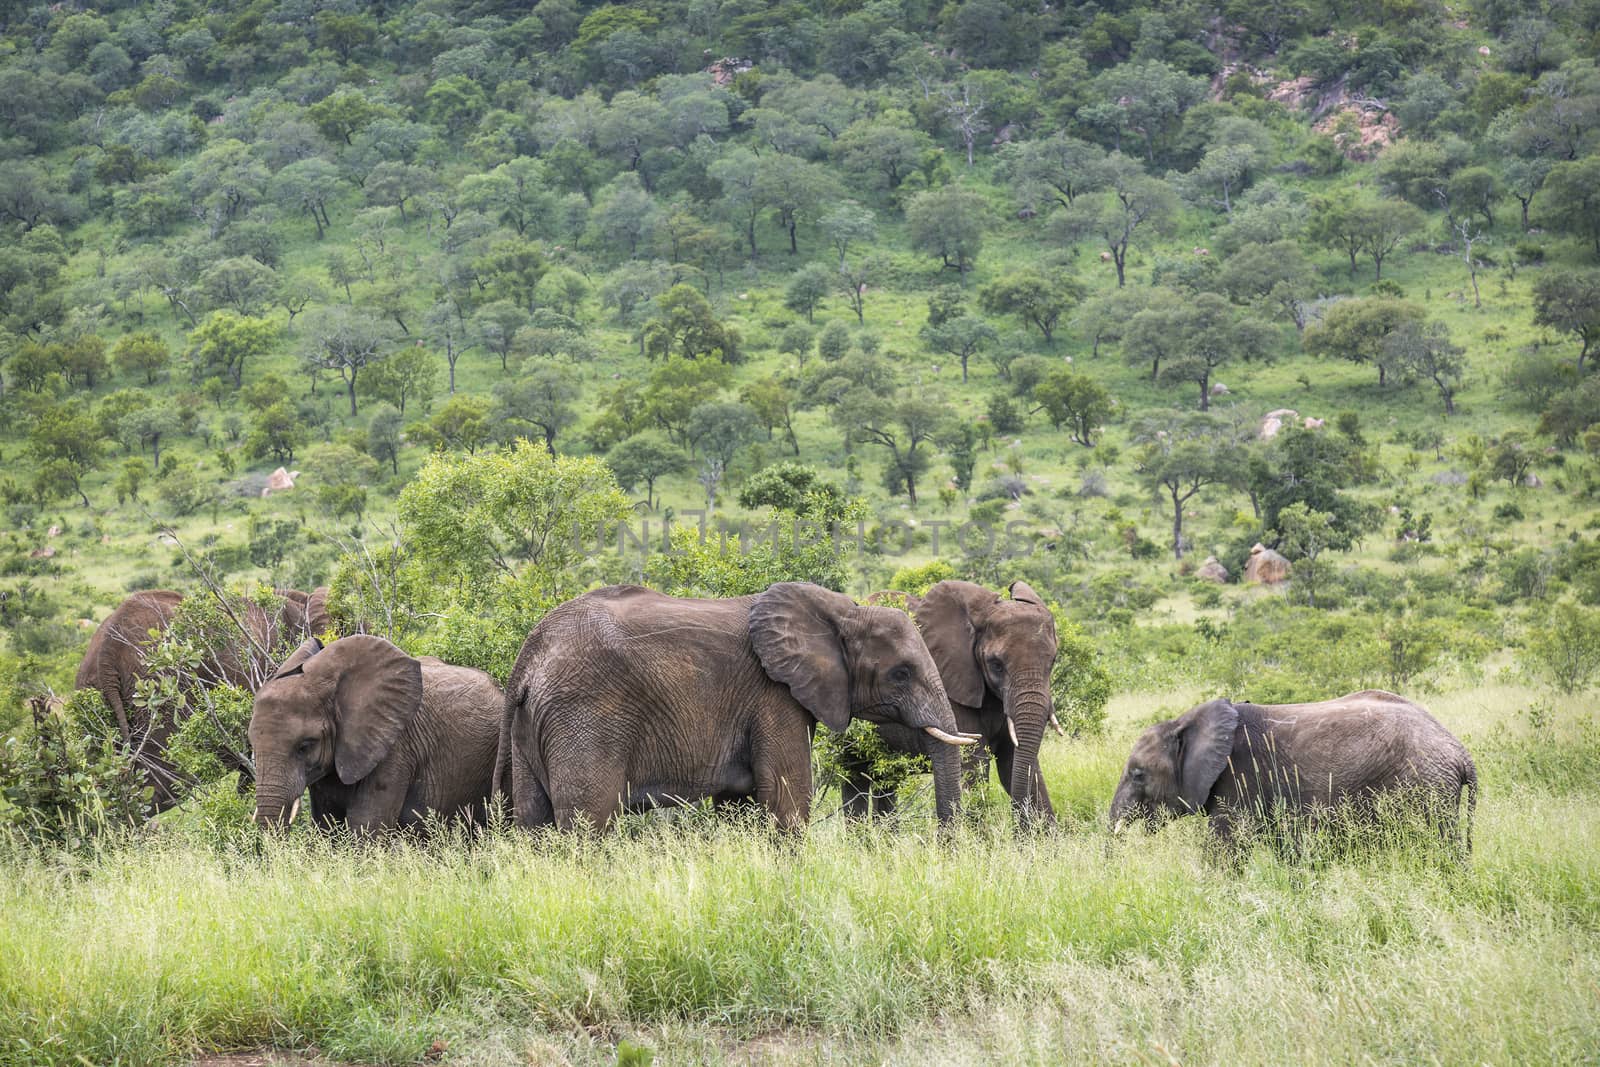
(116, 660)
(380, 738)
(627, 698)
(994, 655)
(1240, 762)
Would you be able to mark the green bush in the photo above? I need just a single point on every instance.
(63, 777)
(1565, 652)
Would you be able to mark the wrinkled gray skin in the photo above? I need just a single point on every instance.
(115, 661)
(380, 738)
(626, 698)
(994, 655)
(1233, 761)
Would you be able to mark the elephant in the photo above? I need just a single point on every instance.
(626, 698)
(116, 659)
(379, 737)
(1239, 762)
(994, 655)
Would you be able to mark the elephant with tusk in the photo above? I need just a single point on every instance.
(380, 738)
(1237, 762)
(629, 699)
(994, 654)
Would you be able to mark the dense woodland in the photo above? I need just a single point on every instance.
(1045, 271)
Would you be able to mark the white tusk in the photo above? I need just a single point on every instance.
(1119, 826)
(975, 737)
(294, 809)
(1055, 722)
(1011, 728)
(949, 739)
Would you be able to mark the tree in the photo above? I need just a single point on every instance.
(961, 337)
(717, 429)
(1147, 98)
(1036, 299)
(948, 222)
(408, 376)
(738, 172)
(686, 326)
(1131, 206)
(339, 475)
(1218, 177)
(848, 223)
(903, 425)
(66, 444)
(1355, 330)
(646, 457)
(794, 190)
(345, 341)
(305, 186)
(495, 327)
(343, 113)
(1205, 333)
(146, 426)
(1303, 534)
(1310, 467)
(774, 405)
(964, 106)
(1571, 200)
(884, 150)
(1059, 168)
(1426, 351)
(1566, 651)
(226, 340)
(1180, 457)
(1363, 224)
(1076, 401)
(852, 283)
(1275, 277)
(384, 439)
(277, 431)
(396, 184)
(446, 330)
(462, 422)
(806, 289)
(1569, 301)
(1512, 458)
(540, 400)
(239, 282)
(506, 515)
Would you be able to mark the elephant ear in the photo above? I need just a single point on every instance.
(950, 616)
(1202, 740)
(377, 690)
(1023, 592)
(317, 618)
(795, 631)
(297, 659)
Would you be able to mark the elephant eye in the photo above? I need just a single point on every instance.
(996, 666)
(1137, 774)
(307, 746)
(900, 675)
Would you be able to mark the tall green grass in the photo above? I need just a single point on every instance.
(708, 940)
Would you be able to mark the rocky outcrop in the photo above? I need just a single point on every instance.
(1212, 570)
(1266, 567)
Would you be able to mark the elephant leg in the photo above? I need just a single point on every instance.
(379, 802)
(1003, 753)
(786, 796)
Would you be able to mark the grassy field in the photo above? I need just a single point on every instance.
(705, 941)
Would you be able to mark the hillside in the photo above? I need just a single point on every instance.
(884, 242)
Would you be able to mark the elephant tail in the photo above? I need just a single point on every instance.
(1469, 786)
(502, 756)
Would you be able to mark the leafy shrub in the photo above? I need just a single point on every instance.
(1565, 652)
(64, 779)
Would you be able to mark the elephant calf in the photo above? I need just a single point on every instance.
(379, 737)
(1237, 762)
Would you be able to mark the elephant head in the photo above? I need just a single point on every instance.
(339, 709)
(986, 644)
(840, 659)
(1174, 764)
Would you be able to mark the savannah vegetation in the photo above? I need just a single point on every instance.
(484, 274)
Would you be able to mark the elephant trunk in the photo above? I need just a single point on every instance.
(940, 725)
(1028, 711)
(946, 780)
(278, 800)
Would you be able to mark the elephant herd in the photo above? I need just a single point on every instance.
(625, 699)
